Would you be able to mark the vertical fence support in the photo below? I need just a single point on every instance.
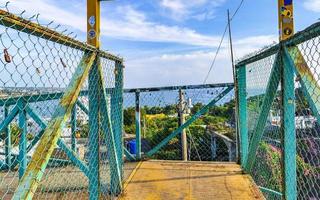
(7, 131)
(213, 147)
(93, 38)
(107, 130)
(116, 112)
(184, 146)
(73, 122)
(289, 133)
(138, 126)
(94, 130)
(243, 129)
(22, 140)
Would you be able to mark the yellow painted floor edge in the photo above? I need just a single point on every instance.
(134, 171)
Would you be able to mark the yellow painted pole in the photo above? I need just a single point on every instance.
(93, 22)
(286, 22)
(93, 34)
(289, 168)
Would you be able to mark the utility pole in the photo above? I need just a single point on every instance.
(237, 133)
(182, 109)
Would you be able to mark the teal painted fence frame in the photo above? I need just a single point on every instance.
(189, 121)
(284, 70)
(138, 125)
(243, 129)
(94, 131)
(22, 110)
(289, 133)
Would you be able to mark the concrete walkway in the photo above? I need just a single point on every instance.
(170, 180)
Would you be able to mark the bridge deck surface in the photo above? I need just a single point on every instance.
(189, 180)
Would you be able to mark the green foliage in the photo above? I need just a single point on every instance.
(268, 167)
(82, 129)
(158, 122)
(15, 133)
(268, 170)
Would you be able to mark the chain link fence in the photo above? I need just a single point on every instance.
(211, 137)
(279, 116)
(266, 170)
(49, 114)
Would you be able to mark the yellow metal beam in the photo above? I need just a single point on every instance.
(36, 168)
(286, 22)
(93, 22)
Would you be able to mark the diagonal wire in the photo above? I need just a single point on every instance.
(221, 41)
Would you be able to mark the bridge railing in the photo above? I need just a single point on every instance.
(61, 114)
(278, 94)
(154, 127)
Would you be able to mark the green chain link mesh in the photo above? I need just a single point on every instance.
(34, 74)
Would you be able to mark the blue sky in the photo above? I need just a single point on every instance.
(172, 42)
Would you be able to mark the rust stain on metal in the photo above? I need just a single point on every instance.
(29, 182)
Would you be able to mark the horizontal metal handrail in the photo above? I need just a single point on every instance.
(298, 38)
(18, 23)
(57, 95)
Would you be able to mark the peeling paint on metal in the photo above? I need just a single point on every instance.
(29, 182)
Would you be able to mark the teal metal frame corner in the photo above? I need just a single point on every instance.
(243, 125)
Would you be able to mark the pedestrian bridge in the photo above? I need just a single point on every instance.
(160, 179)
(69, 130)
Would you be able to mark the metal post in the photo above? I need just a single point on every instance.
(116, 112)
(93, 23)
(213, 147)
(94, 130)
(286, 30)
(93, 34)
(7, 131)
(235, 86)
(289, 133)
(243, 129)
(138, 126)
(22, 140)
(182, 106)
(73, 122)
(119, 81)
(286, 22)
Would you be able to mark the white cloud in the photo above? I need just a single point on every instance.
(165, 69)
(128, 24)
(313, 5)
(191, 67)
(196, 9)
(136, 27)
